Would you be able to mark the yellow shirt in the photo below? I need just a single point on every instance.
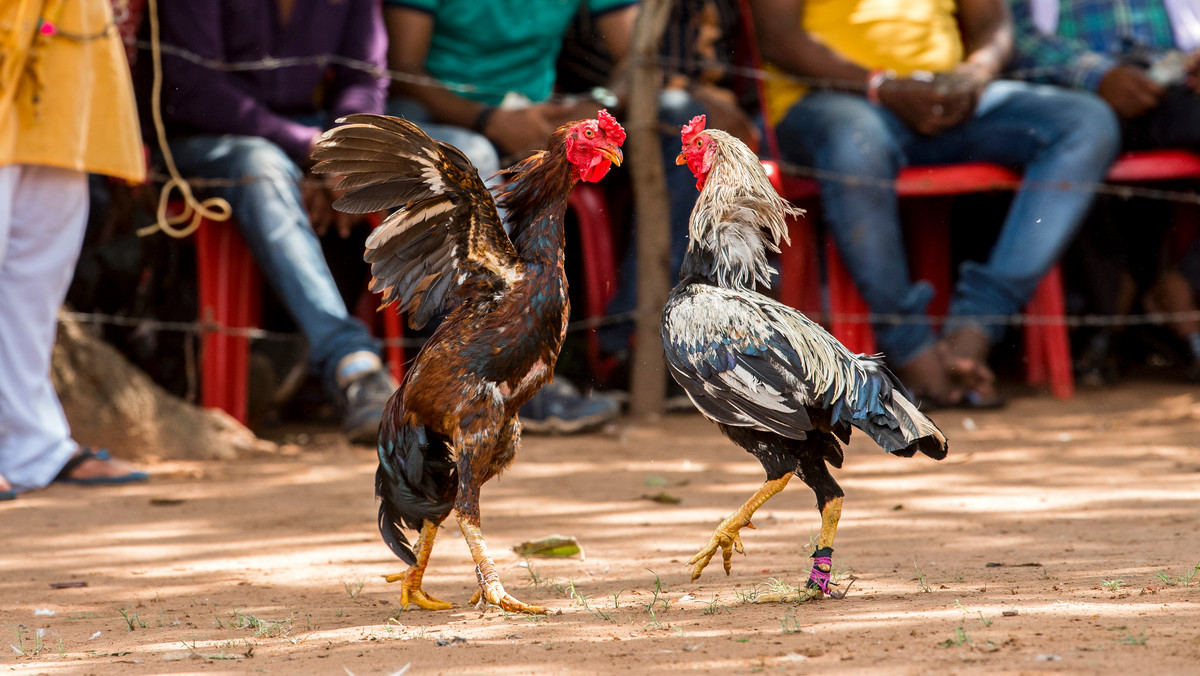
(66, 99)
(904, 35)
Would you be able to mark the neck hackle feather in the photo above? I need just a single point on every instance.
(738, 218)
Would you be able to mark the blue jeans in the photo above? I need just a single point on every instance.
(1053, 135)
(272, 219)
(676, 108)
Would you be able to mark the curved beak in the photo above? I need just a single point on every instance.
(680, 159)
(612, 154)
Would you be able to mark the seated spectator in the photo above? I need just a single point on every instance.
(915, 82)
(696, 49)
(66, 108)
(500, 88)
(493, 100)
(1146, 65)
(259, 126)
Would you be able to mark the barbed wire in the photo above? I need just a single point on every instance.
(201, 328)
(591, 323)
(1124, 191)
(679, 64)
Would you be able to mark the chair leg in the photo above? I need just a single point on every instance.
(846, 304)
(229, 285)
(799, 272)
(1048, 351)
(393, 332)
(599, 267)
(927, 238)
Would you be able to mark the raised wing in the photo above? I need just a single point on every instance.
(445, 241)
(748, 361)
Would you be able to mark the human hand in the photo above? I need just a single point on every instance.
(318, 196)
(519, 131)
(720, 105)
(926, 105)
(573, 110)
(1129, 91)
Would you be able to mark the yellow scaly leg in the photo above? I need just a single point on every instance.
(727, 536)
(490, 589)
(410, 591)
(818, 579)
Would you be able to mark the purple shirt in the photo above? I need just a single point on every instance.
(198, 99)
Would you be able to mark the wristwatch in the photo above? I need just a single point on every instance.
(875, 80)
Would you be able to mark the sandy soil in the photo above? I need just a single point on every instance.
(1057, 537)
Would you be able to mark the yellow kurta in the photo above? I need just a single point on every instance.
(903, 35)
(83, 115)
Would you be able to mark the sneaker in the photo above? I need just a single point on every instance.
(559, 408)
(363, 401)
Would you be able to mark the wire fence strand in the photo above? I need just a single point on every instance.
(200, 328)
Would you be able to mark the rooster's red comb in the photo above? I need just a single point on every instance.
(692, 128)
(611, 127)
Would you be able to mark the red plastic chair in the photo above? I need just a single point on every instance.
(229, 284)
(229, 289)
(599, 266)
(1047, 347)
(1048, 359)
(388, 319)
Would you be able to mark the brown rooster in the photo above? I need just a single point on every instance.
(453, 423)
(775, 382)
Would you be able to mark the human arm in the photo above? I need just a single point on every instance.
(614, 27)
(786, 45)
(208, 99)
(410, 32)
(363, 40)
(1053, 59)
(987, 34)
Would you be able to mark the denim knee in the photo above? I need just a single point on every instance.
(258, 161)
(841, 133)
(1095, 126)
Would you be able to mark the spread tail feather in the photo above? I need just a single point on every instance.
(917, 428)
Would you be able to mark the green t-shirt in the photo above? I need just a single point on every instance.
(497, 46)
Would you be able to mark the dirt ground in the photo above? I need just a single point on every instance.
(1058, 537)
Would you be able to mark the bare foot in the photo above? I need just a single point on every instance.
(927, 379)
(964, 353)
(1172, 293)
(4, 485)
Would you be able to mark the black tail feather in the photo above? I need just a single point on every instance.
(416, 482)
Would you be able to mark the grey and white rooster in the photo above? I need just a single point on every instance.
(775, 382)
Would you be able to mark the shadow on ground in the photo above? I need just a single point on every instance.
(1056, 537)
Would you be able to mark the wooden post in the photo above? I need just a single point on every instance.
(648, 385)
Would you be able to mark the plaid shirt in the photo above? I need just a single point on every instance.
(1092, 37)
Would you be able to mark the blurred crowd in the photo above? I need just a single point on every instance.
(853, 90)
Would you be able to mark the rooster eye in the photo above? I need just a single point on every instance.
(589, 133)
(699, 143)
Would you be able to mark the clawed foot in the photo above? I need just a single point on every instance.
(724, 538)
(798, 595)
(411, 592)
(819, 583)
(809, 592)
(494, 594)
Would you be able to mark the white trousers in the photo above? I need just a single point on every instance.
(43, 215)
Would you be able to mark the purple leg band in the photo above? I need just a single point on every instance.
(818, 576)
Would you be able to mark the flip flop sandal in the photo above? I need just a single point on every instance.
(88, 453)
